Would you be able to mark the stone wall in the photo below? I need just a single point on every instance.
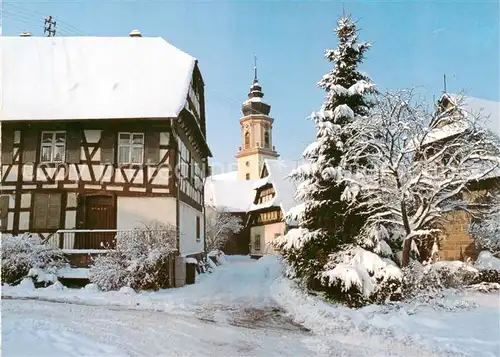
(456, 243)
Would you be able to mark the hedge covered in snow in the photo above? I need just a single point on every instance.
(24, 254)
(139, 261)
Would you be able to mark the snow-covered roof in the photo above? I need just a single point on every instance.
(486, 108)
(446, 131)
(46, 78)
(284, 188)
(489, 110)
(226, 192)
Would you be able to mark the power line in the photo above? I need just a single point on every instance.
(27, 20)
(67, 27)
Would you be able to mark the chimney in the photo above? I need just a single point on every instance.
(135, 33)
(25, 34)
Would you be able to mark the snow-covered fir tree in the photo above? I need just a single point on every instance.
(327, 234)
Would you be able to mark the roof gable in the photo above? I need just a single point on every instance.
(57, 78)
(226, 193)
(284, 187)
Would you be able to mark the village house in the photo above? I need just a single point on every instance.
(273, 198)
(455, 242)
(101, 135)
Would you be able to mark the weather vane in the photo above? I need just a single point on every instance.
(255, 67)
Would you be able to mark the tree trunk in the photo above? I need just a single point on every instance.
(407, 245)
(406, 252)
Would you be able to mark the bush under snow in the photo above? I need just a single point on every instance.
(20, 254)
(363, 277)
(486, 260)
(140, 260)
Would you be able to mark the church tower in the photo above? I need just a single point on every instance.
(256, 134)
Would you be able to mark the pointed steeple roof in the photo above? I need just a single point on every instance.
(254, 104)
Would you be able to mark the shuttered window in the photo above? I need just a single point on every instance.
(256, 242)
(47, 211)
(4, 209)
(198, 228)
(7, 146)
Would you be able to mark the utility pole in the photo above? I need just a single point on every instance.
(49, 27)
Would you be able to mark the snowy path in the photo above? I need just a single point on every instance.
(242, 309)
(55, 329)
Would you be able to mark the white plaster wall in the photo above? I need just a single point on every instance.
(70, 222)
(252, 168)
(187, 228)
(270, 231)
(24, 220)
(267, 236)
(10, 220)
(133, 211)
(92, 136)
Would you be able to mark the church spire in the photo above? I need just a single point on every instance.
(254, 104)
(255, 80)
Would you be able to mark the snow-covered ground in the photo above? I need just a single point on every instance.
(244, 308)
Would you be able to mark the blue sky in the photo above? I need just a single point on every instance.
(414, 43)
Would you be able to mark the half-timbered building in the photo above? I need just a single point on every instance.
(273, 198)
(101, 134)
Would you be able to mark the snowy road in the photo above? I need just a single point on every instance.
(59, 329)
(242, 309)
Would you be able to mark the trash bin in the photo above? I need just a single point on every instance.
(190, 273)
(180, 271)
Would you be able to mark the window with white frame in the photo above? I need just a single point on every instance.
(130, 148)
(53, 146)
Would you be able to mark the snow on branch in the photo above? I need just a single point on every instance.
(410, 181)
(486, 229)
(361, 269)
(220, 225)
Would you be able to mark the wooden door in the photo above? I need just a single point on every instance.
(100, 213)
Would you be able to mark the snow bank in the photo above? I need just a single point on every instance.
(127, 290)
(486, 260)
(428, 331)
(92, 288)
(453, 266)
(42, 276)
(57, 286)
(26, 285)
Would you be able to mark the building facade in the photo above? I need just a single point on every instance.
(90, 142)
